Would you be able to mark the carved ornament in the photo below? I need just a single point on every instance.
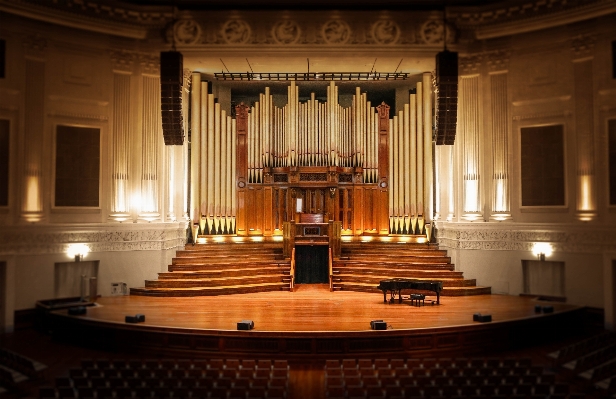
(236, 31)
(385, 31)
(286, 32)
(336, 31)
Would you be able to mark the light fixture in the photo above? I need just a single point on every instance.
(77, 251)
(542, 249)
(312, 76)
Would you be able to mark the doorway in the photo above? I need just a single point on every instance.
(311, 264)
(3, 298)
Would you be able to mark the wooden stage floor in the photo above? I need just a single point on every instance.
(314, 322)
(313, 308)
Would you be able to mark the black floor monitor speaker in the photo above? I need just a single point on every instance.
(138, 318)
(171, 80)
(447, 98)
(77, 310)
(482, 318)
(378, 325)
(245, 325)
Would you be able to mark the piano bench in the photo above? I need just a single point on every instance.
(417, 298)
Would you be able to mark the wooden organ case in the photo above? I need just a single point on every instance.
(309, 157)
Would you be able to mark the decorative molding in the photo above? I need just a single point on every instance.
(536, 101)
(286, 31)
(470, 64)
(122, 61)
(559, 114)
(35, 46)
(336, 31)
(509, 237)
(506, 19)
(582, 46)
(78, 116)
(186, 31)
(236, 31)
(80, 101)
(150, 64)
(385, 32)
(497, 60)
(22, 240)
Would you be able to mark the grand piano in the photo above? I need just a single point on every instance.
(396, 285)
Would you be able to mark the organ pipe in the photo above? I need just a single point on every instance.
(312, 133)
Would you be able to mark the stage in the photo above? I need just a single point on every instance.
(314, 322)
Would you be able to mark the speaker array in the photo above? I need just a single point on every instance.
(447, 99)
(171, 78)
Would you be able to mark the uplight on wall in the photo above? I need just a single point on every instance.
(77, 251)
(542, 249)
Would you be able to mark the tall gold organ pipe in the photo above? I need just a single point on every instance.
(228, 178)
(420, 173)
(413, 161)
(428, 179)
(217, 161)
(195, 127)
(203, 162)
(396, 174)
(210, 159)
(401, 171)
(223, 169)
(407, 161)
(233, 172)
(391, 142)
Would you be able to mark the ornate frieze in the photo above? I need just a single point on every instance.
(41, 240)
(325, 28)
(522, 238)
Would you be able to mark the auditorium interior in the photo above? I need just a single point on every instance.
(316, 199)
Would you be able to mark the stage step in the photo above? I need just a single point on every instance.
(220, 269)
(447, 290)
(204, 291)
(362, 266)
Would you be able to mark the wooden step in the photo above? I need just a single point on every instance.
(375, 280)
(447, 291)
(221, 266)
(393, 266)
(222, 273)
(400, 273)
(213, 282)
(203, 291)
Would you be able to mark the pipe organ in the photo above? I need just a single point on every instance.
(355, 165)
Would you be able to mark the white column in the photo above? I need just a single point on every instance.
(500, 147)
(468, 131)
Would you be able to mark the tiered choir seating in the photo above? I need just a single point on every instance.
(361, 266)
(165, 378)
(222, 268)
(441, 378)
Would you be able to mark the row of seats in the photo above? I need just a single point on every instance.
(168, 378)
(22, 364)
(582, 347)
(182, 364)
(428, 363)
(439, 378)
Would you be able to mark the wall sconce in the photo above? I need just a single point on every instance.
(542, 249)
(77, 251)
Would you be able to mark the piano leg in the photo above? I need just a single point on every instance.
(384, 296)
(399, 296)
(438, 298)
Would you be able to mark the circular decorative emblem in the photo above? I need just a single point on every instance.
(286, 32)
(385, 31)
(432, 31)
(236, 31)
(336, 31)
(241, 184)
(186, 31)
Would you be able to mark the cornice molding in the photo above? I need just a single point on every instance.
(93, 16)
(491, 21)
(512, 237)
